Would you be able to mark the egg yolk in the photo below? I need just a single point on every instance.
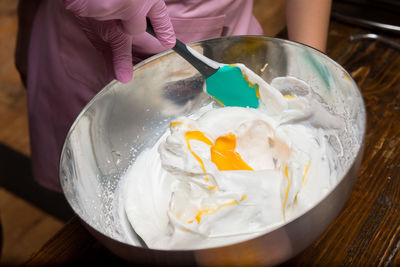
(223, 153)
(199, 136)
(224, 156)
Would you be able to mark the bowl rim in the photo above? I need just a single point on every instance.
(358, 155)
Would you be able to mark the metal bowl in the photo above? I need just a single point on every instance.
(123, 119)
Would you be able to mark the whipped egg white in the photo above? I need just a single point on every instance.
(228, 174)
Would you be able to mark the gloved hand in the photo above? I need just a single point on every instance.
(110, 25)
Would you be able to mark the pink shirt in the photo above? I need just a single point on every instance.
(65, 71)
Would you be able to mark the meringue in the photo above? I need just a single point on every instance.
(227, 174)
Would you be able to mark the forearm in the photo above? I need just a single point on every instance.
(308, 21)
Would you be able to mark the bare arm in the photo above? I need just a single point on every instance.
(308, 21)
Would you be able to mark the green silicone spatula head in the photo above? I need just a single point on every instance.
(229, 87)
(225, 83)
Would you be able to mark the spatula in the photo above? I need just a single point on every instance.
(223, 82)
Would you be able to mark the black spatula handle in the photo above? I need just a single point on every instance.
(180, 48)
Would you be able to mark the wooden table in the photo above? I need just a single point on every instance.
(367, 231)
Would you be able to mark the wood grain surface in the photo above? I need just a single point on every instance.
(367, 231)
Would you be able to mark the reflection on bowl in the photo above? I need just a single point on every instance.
(123, 119)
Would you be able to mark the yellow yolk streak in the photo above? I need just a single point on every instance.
(265, 66)
(254, 85)
(289, 96)
(199, 136)
(305, 173)
(246, 78)
(213, 210)
(174, 123)
(219, 101)
(286, 193)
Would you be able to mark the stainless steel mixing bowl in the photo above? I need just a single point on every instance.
(123, 119)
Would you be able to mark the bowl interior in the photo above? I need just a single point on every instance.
(123, 119)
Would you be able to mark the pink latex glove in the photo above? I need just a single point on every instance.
(110, 25)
